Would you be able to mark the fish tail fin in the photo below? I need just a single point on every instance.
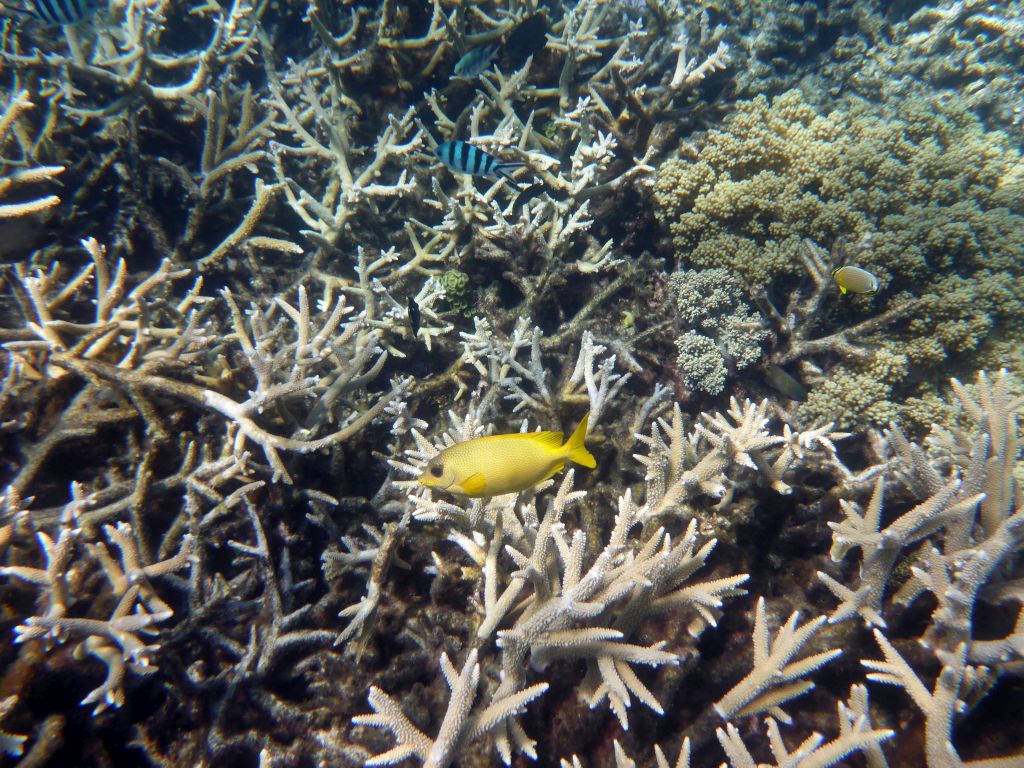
(502, 169)
(576, 449)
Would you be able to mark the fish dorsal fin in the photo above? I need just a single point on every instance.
(474, 485)
(549, 440)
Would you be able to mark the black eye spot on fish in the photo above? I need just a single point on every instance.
(436, 471)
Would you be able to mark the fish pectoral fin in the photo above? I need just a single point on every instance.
(474, 485)
(554, 471)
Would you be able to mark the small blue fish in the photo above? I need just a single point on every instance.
(463, 157)
(62, 12)
(475, 61)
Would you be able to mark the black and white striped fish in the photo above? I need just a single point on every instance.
(62, 12)
(463, 157)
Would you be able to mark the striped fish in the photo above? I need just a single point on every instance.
(62, 12)
(463, 157)
(475, 61)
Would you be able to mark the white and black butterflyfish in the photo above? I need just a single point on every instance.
(463, 157)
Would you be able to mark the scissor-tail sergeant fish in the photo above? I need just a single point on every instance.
(463, 157)
(475, 62)
(62, 12)
(855, 280)
(499, 464)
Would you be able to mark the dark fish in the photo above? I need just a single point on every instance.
(414, 316)
(587, 71)
(463, 157)
(784, 383)
(61, 12)
(528, 193)
(529, 37)
(476, 61)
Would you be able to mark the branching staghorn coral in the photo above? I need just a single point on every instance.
(462, 724)
(341, 186)
(115, 640)
(17, 171)
(528, 383)
(974, 509)
(147, 348)
(336, 137)
(623, 760)
(972, 525)
(349, 190)
(160, 121)
(225, 153)
(11, 744)
(774, 679)
(553, 230)
(856, 735)
(129, 56)
(939, 706)
(881, 548)
(681, 466)
(380, 555)
(555, 606)
(559, 603)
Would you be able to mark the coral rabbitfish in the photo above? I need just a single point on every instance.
(463, 157)
(498, 464)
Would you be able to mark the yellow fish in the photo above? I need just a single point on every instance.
(855, 280)
(497, 464)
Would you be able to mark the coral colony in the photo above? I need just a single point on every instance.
(294, 293)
